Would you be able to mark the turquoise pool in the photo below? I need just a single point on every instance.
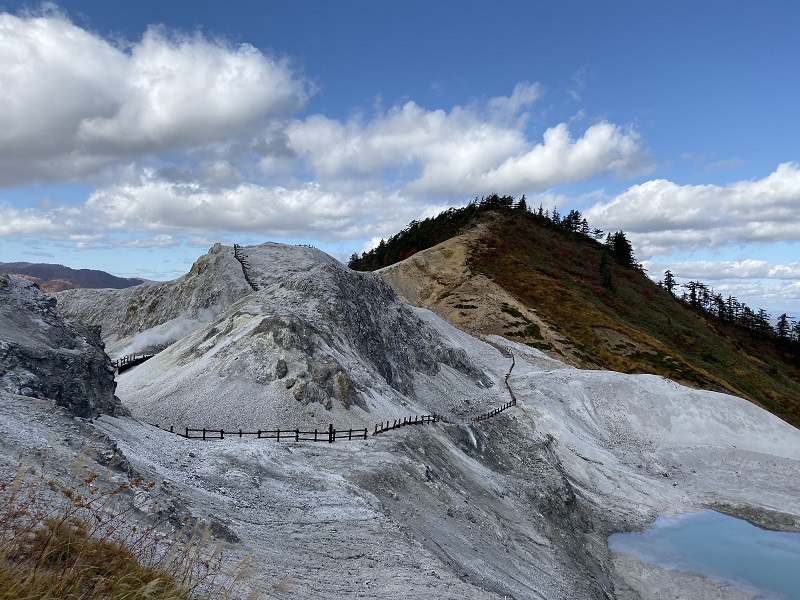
(723, 548)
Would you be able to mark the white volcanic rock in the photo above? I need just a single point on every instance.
(316, 344)
(518, 506)
(149, 317)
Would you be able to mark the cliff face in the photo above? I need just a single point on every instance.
(166, 311)
(44, 356)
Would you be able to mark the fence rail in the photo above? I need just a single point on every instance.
(239, 255)
(126, 362)
(494, 411)
(507, 405)
(415, 420)
(297, 435)
(331, 435)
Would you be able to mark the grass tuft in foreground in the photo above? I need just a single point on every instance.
(88, 541)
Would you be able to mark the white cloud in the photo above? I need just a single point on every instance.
(182, 135)
(505, 108)
(459, 153)
(559, 159)
(165, 208)
(72, 102)
(160, 240)
(663, 217)
(724, 269)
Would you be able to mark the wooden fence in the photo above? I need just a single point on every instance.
(242, 258)
(331, 435)
(126, 362)
(296, 435)
(416, 420)
(507, 405)
(494, 411)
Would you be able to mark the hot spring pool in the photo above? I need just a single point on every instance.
(726, 549)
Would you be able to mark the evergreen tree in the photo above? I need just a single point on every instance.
(783, 328)
(621, 249)
(669, 282)
(522, 204)
(719, 305)
(605, 272)
(762, 321)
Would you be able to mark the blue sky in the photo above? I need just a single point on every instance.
(134, 135)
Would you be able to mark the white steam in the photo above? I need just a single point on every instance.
(159, 337)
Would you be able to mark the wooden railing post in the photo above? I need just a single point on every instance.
(331, 433)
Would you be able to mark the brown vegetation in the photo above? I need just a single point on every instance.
(89, 541)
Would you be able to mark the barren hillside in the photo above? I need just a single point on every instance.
(517, 505)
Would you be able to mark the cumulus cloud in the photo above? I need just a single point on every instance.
(181, 135)
(460, 153)
(604, 148)
(73, 102)
(166, 208)
(664, 217)
(741, 269)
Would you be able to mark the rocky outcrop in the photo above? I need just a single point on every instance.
(42, 355)
(316, 341)
(149, 317)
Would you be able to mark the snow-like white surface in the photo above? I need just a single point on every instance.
(148, 317)
(517, 506)
(320, 320)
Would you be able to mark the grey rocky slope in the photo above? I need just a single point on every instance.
(148, 317)
(517, 506)
(315, 344)
(42, 355)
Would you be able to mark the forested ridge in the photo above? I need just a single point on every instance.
(421, 235)
(584, 280)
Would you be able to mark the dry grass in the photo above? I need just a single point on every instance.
(558, 274)
(88, 541)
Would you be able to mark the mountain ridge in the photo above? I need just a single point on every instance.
(56, 277)
(508, 274)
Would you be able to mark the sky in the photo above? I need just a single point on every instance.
(134, 135)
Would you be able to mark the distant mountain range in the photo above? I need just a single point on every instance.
(56, 278)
